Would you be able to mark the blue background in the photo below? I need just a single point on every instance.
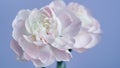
(105, 55)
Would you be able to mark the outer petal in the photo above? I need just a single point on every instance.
(38, 63)
(89, 33)
(95, 26)
(57, 5)
(85, 41)
(62, 55)
(88, 22)
(26, 57)
(43, 53)
(19, 24)
(63, 43)
(16, 48)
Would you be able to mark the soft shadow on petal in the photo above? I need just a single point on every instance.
(16, 48)
(49, 38)
(95, 39)
(19, 24)
(38, 63)
(61, 55)
(95, 28)
(87, 21)
(37, 52)
(85, 41)
(21, 56)
(57, 5)
(22, 15)
(70, 23)
(63, 43)
(90, 31)
(81, 40)
(26, 57)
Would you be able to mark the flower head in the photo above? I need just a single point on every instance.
(45, 35)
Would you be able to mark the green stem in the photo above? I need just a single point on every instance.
(61, 64)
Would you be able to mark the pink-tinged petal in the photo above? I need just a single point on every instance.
(22, 15)
(19, 24)
(37, 52)
(21, 56)
(19, 30)
(32, 39)
(77, 8)
(46, 11)
(29, 38)
(90, 29)
(57, 5)
(95, 28)
(85, 41)
(16, 48)
(70, 23)
(26, 57)
(81, 40)
(65, 19)
(55, 27)
(95, 39)
(87, 21)
(80, 50)
(62, 55)
(38, 63)
(49, 38)
(63, 43)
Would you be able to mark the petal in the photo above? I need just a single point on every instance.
(85, 41)
(38, 63)
(49, 38)
(37, 52)
(26, 57)
(22, 15)
(63, 43)
(87, 21)
(62, 55)
(19, 24)
(70, 23)
(95, 39)
(95, 27)
(21, 56)
(90, 29)
(46, 11)
(32, 23)
(16, 48)
(32, 39)
(57, 5)
(81, 40)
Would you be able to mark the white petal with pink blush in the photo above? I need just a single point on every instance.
(45, 35)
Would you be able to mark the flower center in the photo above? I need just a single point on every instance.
(41, 26)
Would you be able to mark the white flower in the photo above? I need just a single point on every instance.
(45, 35)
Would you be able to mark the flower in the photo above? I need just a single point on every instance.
(45, 35)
